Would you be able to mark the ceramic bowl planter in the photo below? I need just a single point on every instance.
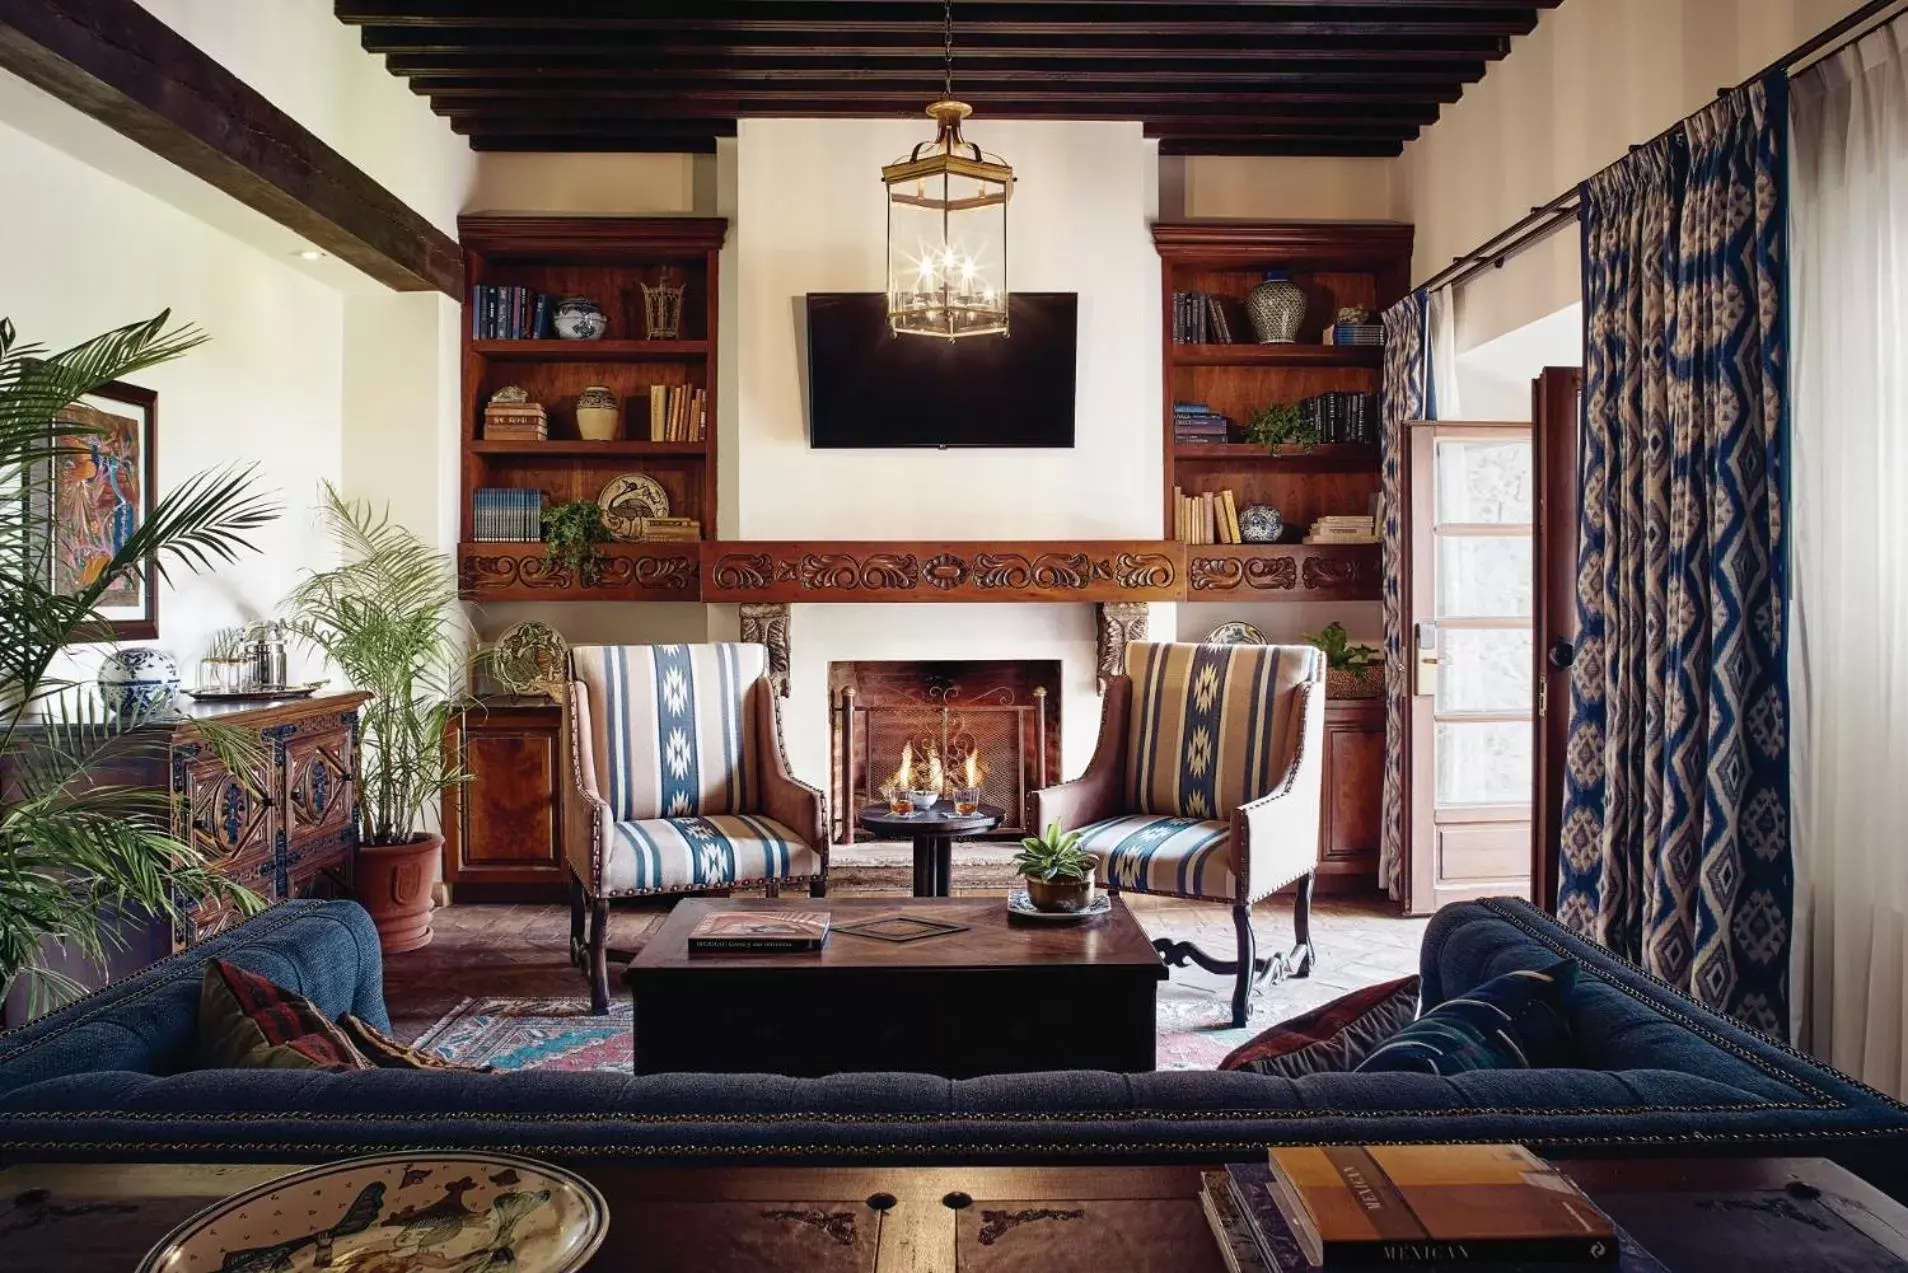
(394, 884)
(1062, 897)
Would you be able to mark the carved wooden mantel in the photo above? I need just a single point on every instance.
(787, 571)
(852, 570)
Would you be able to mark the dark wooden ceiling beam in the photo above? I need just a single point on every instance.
(114, 61)
(856, 39)
(503, 93)
(645, 82)
(796, 102)
(582, 73)
(1282, 148)
(597, 12)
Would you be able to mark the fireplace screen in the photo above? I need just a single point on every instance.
(998, 718)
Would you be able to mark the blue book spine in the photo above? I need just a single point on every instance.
(540, 319)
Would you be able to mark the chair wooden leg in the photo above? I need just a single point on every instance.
(772, 889)
(577, 943)
(818, 887)
(599, 957)
(1247, 965)
(1303, 953)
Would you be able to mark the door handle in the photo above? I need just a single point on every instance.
(1425, 656)
(1562, 653)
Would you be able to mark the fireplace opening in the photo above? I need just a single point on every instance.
(1004, 713)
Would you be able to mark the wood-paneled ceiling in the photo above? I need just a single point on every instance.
(1235, 77)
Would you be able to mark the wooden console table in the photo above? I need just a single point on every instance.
(1744, 1215)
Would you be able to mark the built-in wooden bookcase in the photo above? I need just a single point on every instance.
(1336, 264)
(605, 259)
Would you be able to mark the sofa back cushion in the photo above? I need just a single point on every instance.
(1211, 726)
(671, 725)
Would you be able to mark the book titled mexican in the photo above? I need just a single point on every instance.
(1435, 1204)
(769, 932)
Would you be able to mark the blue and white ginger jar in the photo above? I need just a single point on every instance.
(138, 681)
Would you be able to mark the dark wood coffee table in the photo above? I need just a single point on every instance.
(933, 833)
(972, 991)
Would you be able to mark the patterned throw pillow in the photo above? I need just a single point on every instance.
(1513, 1022)
(1334, 1038)
(246, 1022)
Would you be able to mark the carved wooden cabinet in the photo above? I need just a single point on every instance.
(503, 829)
(284, 827)
(1351, 823)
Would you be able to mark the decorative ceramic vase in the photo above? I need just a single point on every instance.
(596, 414)
(394, 883)
(579, 318)
(1276, 308)
(1260, 524)
(1066, 897)
(138, 682)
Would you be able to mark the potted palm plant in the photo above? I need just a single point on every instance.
(386, 618)
(1058, 872)
(84, 861)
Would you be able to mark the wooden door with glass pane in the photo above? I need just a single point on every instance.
(1470, 710)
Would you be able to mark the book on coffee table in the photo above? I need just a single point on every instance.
(767, 932)
(1424, 1205)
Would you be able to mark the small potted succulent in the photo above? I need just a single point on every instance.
(1351, 671)
(1058, 872)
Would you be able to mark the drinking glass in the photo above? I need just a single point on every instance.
(900, 799)
(966, 800)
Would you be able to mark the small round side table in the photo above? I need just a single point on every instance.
(933, 833)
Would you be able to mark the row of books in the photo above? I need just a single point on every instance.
(505, 514)
(678, 413)
(1344, 416)
(1208, 518)
(509, 313)
(1199, 318)
(1412, 1206)
(1344, 530)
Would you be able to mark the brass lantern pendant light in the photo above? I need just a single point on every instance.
(947, 226)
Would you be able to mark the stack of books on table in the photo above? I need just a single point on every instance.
(760, 932)
(1344, 530)
(516, 422)
(1197, 422)
(1208, 518)
(1424, 1207)
(504, 514)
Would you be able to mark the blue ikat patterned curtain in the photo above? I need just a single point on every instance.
(1406, 397)
(1676, 820)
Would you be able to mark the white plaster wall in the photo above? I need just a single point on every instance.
(1295, 188)
(810, 218)
(87, 253)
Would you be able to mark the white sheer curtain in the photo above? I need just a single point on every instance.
(1849, 626)
(1442, 339)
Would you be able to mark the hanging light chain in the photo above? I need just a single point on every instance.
(947, 48)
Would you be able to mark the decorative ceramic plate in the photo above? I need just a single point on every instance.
(627, 500)
(396, 1213)
(1235, 633)
(263, 694)
(528, 658)
(1018, 903)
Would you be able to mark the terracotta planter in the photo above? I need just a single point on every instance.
(1065, 896)
(394, 884)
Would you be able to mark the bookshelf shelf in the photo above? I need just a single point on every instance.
(592, 350)
(564, 446)
(609, 260)
(1324, 458)
(1359, 356)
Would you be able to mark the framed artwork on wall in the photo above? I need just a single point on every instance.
(100, 488)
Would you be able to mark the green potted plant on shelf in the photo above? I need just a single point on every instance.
(1282, 424)
(387, 618)
(1351, 671)
(1058, 872)
(83, 861)
(571, 533)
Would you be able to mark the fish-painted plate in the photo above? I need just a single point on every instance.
(397, 1213)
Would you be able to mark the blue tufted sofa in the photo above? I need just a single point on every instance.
(106, 1078)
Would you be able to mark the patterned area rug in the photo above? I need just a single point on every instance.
(560, 1034)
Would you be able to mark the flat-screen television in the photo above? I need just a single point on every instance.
(870, 388)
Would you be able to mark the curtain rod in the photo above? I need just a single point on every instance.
(1548, 218)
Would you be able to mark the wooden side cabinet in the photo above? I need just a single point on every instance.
(503, 829)
(1351, 823)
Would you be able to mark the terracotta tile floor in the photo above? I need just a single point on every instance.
(521, 951)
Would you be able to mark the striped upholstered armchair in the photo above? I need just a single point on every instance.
(1206, 784)
(678, 784)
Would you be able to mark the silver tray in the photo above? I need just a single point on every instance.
(262, 694)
